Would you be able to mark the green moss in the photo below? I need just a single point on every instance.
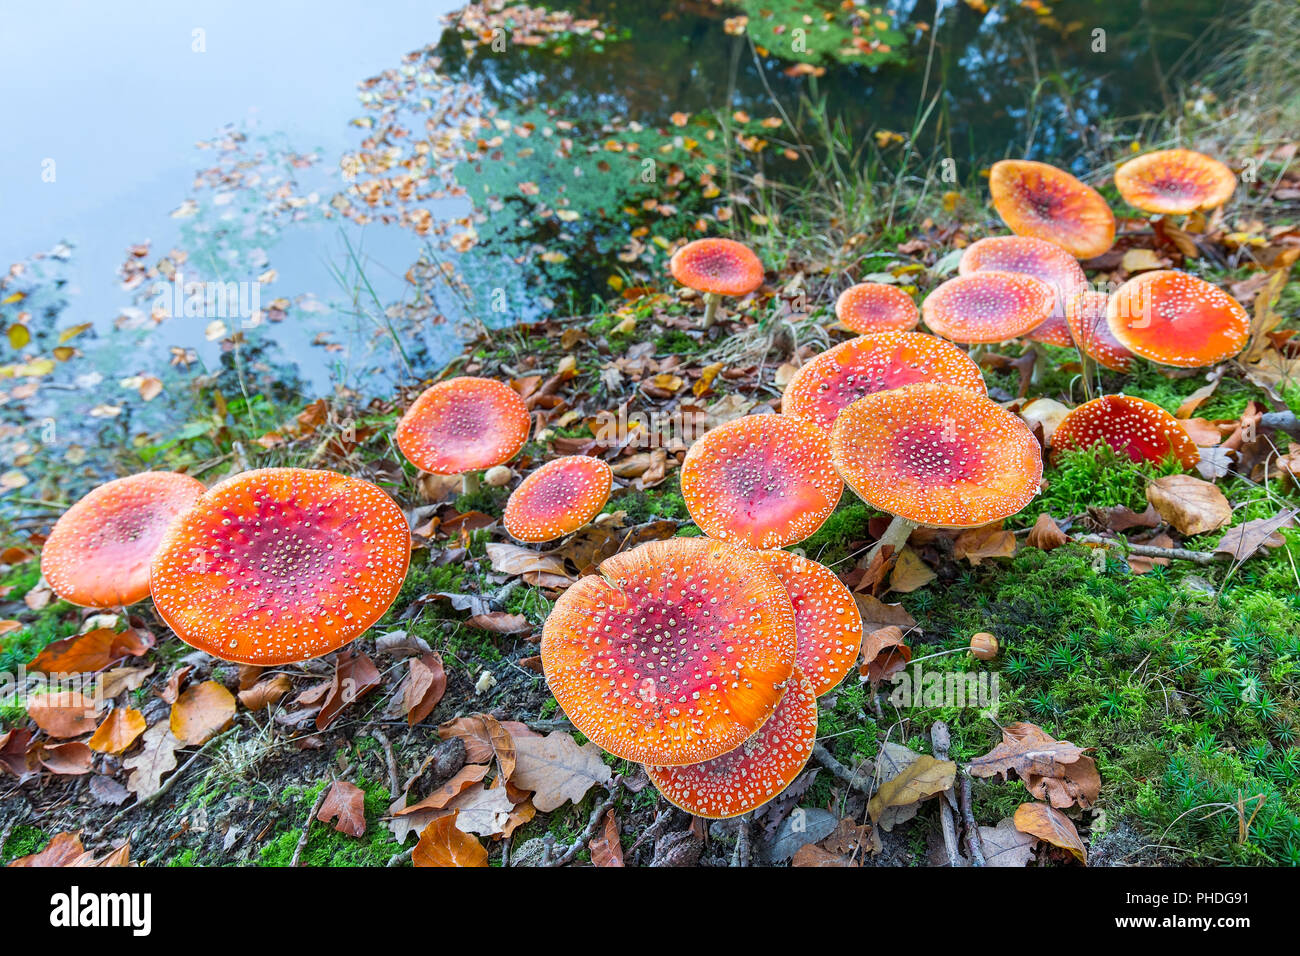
(325, 845)
(23, 841)
(1095, 476)
(846, 525)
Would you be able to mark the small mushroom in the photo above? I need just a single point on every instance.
(841, 375)
(756, 771)
(762, 481)
(828, 626)
(1176, 319)
(936, 456)
(463, 426)
(876, 307)
(983, 646)
(676, 652)
(558, 498)
(280, 565)
(1045, 261)
(716, 267)
(1175, 181)
(1035, 199)
(1086, 315)
(99, 551)
(1133, 426)
(988, 307)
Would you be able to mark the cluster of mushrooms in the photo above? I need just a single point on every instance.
(701, 657)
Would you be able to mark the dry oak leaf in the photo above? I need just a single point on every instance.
(122, 679)
(91, 652)
(63, 714)
(467, 776)
(201, 713)
(426, 682)
(909, 573)
(1029, 751)
(485, 737)
(606, 848)
(1190, 505)
(810, 855)
(354, 677)
(883, 654)
(989, 541)
(1243, 540)
(922, 778)
(118, 731)
(63, 850)
(345, 804)
(71, 759)
(482, 810)
(1052, 826)
(442, 843)
(266, 693)
(1046, 534)
(157, 757)
(876, 614)
(1004, 845)
(557, 770)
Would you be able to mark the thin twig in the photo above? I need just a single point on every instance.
(394, 781)
(1151, 551)
(588, 833)
(855, 779)
(974, 845)
(306, 827)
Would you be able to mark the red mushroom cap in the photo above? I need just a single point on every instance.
(987, 307)
(1043, 260)
(281, 565)
(937, 455)
(841, 375)
(560, 497)
(753, 773)
(676, 652)
(1140, 429)
(1086, 314)
(1035, 199)
(762, 481)
(828, 626)
(463, 424)
(721, 266)
(99, 551)
(1176, 319)
(876, 307)
(1175, 181)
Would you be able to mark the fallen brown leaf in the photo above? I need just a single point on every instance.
(443, 844)
(1051, 825)
(1190, 505)
(201, 713)
(345, 804)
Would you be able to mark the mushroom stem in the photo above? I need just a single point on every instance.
(896, 535)
(469, 483)
(711, 300)
(1041, 361)
(1089, 365)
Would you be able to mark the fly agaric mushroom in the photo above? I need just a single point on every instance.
(99, 551)
(987, 307)
(1035, 199)
(1175, 181)
(558, 498)
(841, 375)
(876, 307)
(463, 426)
(1174, 318)
(716, 267)
(762, 481)
(828, 627)
(1140, 429)
(1086, 314)
(1045, 261)
(756, 771)
(937, 456)
(281, 565)
(674, 653)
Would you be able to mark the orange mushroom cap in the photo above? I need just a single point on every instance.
(1175, 181)
(828, 626)
(937, 455)
(1140, 429)
(756, 771)
(986, 307)
(99, 551)
(1035, 199)
(1086, 314)
(876, 307)
(1174, 318)
(838, 377)
(280, 565)
(721, 266)
(463, 424)
(674, 653)
(1045, 261)
(762, 481)
(560, 497)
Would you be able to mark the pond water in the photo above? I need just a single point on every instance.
(360, 235)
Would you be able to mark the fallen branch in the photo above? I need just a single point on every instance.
(588, 833)
(394, 781)
(940, 740)
(1151, 551)
(974, 845)
(1282, 421)
(859, 781)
